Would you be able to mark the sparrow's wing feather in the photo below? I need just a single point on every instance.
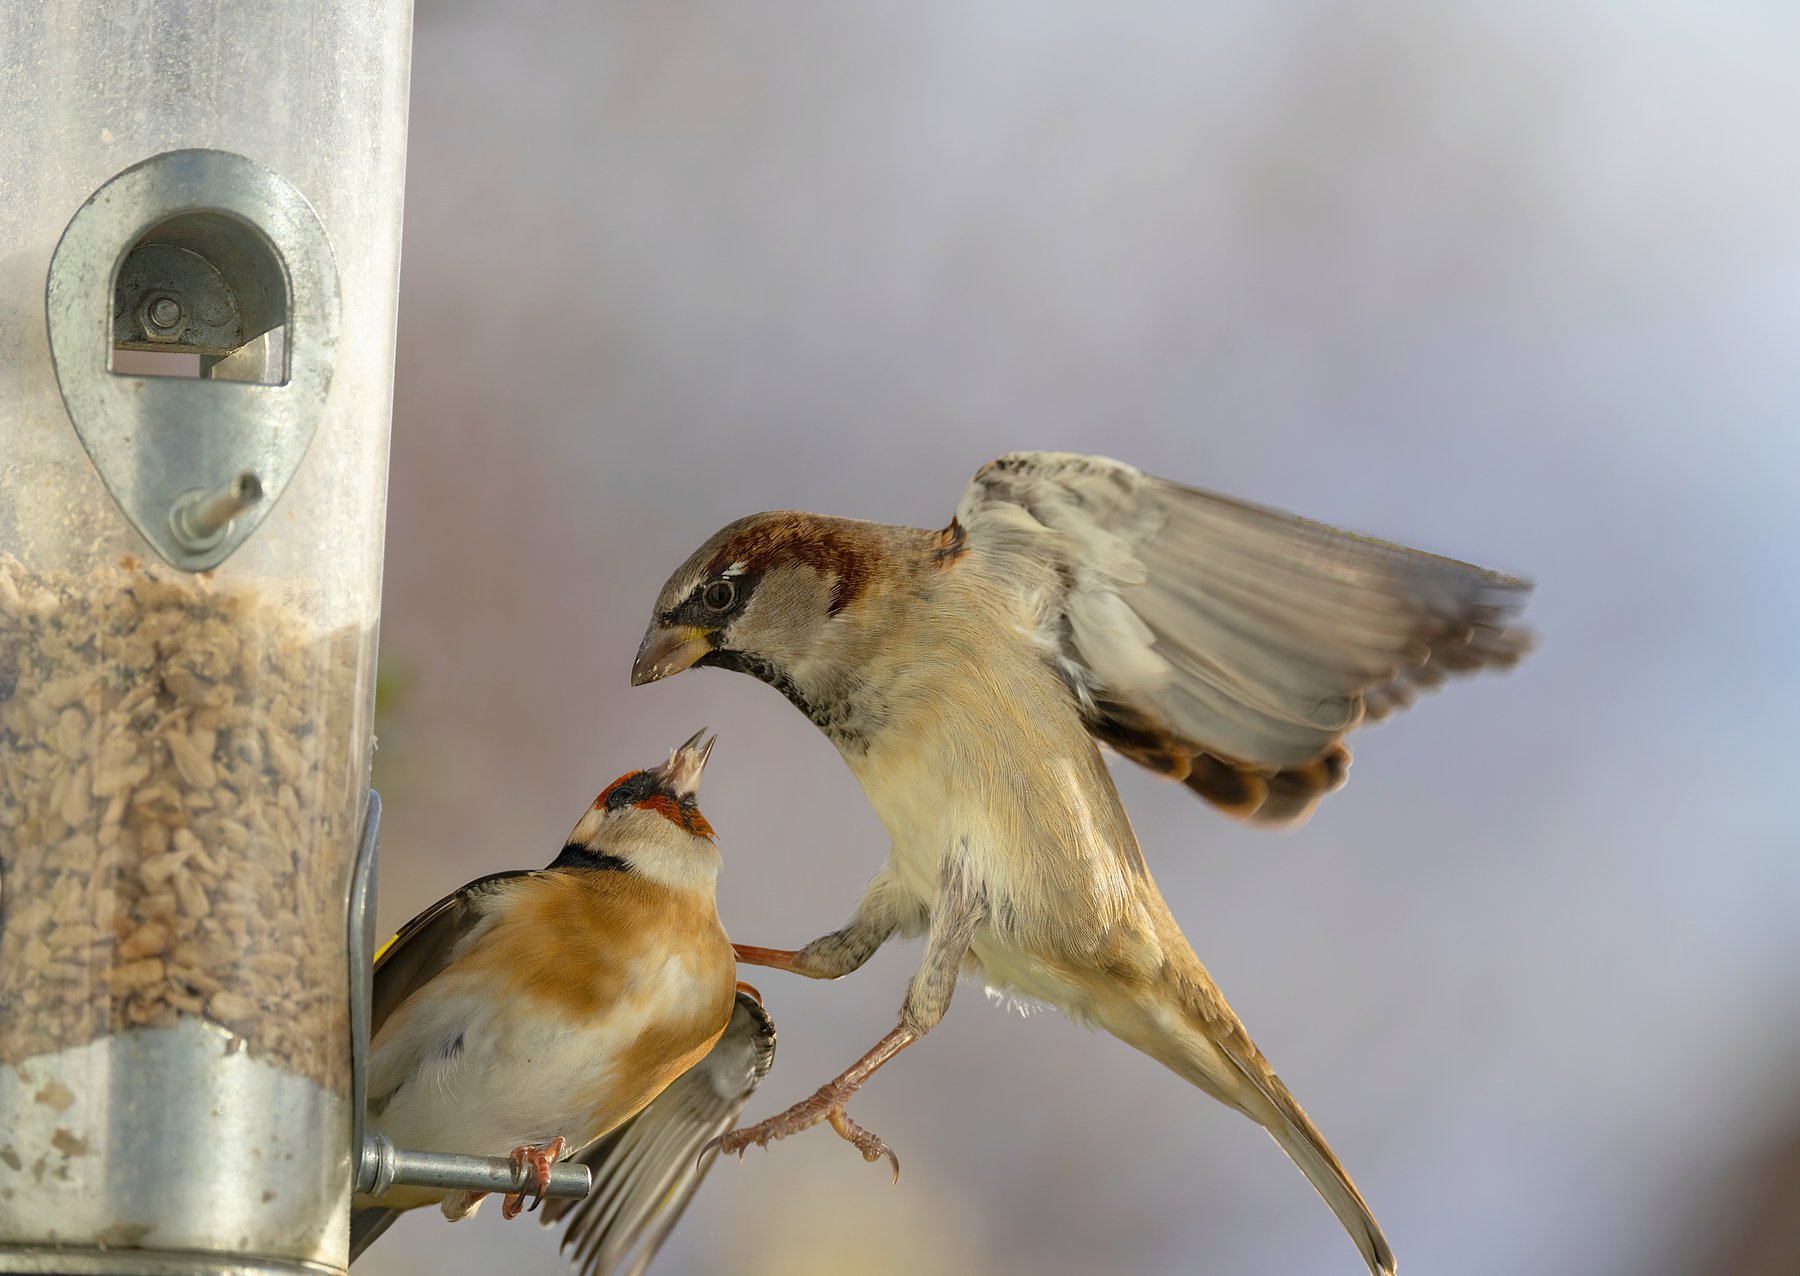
(647, 1170)
(1223, 644)
(424, 946)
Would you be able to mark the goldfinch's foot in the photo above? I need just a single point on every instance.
(540, 1160)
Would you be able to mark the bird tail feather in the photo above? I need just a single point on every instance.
(1307, 1148)
(1208, 1047)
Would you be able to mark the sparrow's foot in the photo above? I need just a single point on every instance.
(540, 1160)
(774, 958)
(803, 1115)
(746, 988)
(823, 1106)
(826, 1104)
(871, 1145)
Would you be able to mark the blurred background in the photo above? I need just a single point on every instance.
(1517, 282)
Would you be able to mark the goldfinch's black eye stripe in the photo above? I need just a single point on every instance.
(604, 801)
(629, 790)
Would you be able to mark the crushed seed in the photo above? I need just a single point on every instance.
(177, 757)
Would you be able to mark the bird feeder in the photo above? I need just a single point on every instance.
(201, 228)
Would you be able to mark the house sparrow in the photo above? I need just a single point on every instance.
(968, 676)
(532, 1012)
(647, 1170)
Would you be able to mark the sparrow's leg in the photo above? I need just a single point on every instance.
(956, 912)
(835, 955)
(540, 1160)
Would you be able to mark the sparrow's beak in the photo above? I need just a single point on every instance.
(682, 771)
(668, 649)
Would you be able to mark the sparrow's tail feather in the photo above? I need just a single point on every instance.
(368, 1224)
(1307, 1148)
(1208, 1046)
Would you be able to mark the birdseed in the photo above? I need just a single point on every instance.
(182, 781)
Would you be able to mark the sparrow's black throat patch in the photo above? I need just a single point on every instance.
(841, 712)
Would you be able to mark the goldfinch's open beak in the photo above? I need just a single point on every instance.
(681, 773)
(668, 649)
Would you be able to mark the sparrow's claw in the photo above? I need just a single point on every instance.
(802, 1116)
(540, 1160)
(826, 1104)
(871, 1145)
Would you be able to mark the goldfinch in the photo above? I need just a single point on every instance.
(968, 677)
(646, 1171)
(533, 1012)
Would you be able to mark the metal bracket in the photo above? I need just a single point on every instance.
(362, 968)
(201, 252)
(171, 296)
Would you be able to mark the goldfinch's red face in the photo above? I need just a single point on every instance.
(650, 791)
(648, 821)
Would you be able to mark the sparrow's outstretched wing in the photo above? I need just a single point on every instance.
(1225, 645)
(647, 1170)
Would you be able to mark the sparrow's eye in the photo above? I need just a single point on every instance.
(719, 595)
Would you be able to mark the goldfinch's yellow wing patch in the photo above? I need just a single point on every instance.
(423, 947)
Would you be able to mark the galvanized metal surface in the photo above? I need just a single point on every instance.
(362, 969)
(57, 1261)
(384, 1165)
(186, 285)
(172, 1138)
(209, 251)
(201, 519)
(314, 91)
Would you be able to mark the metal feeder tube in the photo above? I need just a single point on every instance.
(202, 216)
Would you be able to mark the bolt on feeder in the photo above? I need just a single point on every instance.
(197, 304)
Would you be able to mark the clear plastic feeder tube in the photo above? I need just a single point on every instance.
(201, 219)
